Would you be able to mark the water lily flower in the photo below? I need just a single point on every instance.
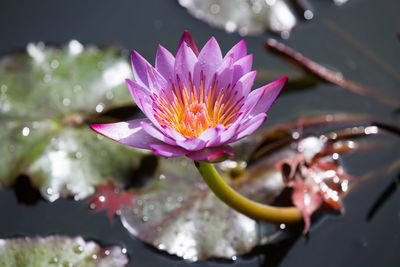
(196, 103)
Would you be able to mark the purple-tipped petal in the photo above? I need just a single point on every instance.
(129, 133)
(173, 134)
(184, 64)
(238, 51)
(209, 59)
(244, 84)
(137, 92)
(225, 74)
(191, 144)
(230, 132)
(168, 151)
(188, 41)
(242, 66)
(148, 128)
(249, 126)
(270, 93)
(165, 63)
(252, 100)
(148, 110)
(212, 136)
(139, 65)
(156, 81)
(212, 154)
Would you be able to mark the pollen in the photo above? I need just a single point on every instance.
(190, 110)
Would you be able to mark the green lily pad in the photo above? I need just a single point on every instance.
(48, 96)
(177, 212)
(58, 251)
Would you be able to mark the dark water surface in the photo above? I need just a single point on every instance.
(358, 39)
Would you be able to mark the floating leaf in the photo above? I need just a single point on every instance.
(47, 96)
(177, 213)
(58, 251)
(245, 17)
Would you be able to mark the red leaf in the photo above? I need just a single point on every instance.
(110, 199)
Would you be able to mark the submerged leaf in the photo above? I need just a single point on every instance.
(58, 251)
(110, 199)
(47, 95)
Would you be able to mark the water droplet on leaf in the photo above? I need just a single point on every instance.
(99, 107)
(53, 260)
(25, 131)
(54, 64)
(78, 249)
(66, 102)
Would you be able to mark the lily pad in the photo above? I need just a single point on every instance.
(245, 17)
(58, 251)
(177, 213)
(47, 97)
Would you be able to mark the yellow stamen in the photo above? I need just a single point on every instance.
(190, 111)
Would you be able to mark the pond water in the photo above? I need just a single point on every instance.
(357, 39)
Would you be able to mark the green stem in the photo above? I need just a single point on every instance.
(242, 204)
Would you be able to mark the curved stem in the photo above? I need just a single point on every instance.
(242, 204)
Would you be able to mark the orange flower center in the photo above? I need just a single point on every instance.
(191, 111)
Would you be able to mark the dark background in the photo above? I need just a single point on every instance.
(368, 52)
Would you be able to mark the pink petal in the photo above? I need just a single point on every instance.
(252, 100)
(156, 81)
(142, 98)
(184, 64)
(191, 144)
(138, 92)
(209, 60)
(165, 63)
(173, 134)
(167, 151)
(249, 126)
(187, 40)
(224, 74)
(129, 133)
(156, 133)
(139, 65)
(270, 93)
(212, 154)
(229, 132)
(242, 66)
(148, 110)
(244, 84)
(212, 136)
(238, 51)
